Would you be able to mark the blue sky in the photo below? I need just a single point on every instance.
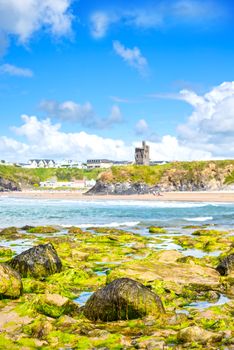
(81, 79)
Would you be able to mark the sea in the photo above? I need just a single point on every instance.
(113, 213)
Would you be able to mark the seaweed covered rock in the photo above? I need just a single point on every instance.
(39, 261)
(43, 229)
(10, 282)
(55, 305)
(226, 266)
(195, 334)
(123, 299)
(9, 231)
(157, 229)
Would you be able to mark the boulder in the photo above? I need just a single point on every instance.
(195, 334)
(39, 261)
(10, 282)
(55, 305)
(123, 299)
(226, 266)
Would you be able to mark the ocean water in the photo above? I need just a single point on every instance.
(113, 213)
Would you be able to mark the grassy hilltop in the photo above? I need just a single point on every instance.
(30, 177)
(194, 172)
(189, 171)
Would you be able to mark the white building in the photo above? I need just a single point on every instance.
(70, 164)
(78, 184)
(99, 163)
(42, 163)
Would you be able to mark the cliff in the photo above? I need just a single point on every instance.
(176, 176)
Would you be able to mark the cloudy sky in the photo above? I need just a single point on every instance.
(92, 78)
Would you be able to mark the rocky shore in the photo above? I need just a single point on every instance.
(107, 288)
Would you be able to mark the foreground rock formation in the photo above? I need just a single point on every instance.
(118, 289)
(10, 282)
(122, 299)
(226, 266)
(39, 261)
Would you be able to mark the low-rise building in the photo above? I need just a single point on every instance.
(42, 163)
(78, 184)
(99, 163)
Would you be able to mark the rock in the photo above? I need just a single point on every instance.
(10, 282)
(7, 185)
(55, 305)
(156, 229)
(122, 299)
(75, 230)
(195, 276)
(168, 256)
(43, 229)
(27, 227)
(226, 266)
(9, 231)
(125, 188)
(5, 251)
(39, 261)
(195, 334)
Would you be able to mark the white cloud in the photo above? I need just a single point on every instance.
(207, 134)
(45, 139)
(82, 114)
(211, 125)
(141, 127)
(133, 57)
(100, 22)
(156, 15)
(15, 71)
(23, 18)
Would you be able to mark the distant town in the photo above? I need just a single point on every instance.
(142, 157)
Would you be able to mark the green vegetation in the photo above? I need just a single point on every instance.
(151, 175)
(30, 177)
(190, 171)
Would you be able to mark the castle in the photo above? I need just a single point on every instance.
(142, 155)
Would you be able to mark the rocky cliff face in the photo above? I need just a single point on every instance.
(211, 178)
(7, 185)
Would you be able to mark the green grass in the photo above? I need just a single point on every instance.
(151, 175)
(35, 176)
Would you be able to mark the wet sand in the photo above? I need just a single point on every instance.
(217, 196)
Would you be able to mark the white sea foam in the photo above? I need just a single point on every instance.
(112, 224)
(200, 218)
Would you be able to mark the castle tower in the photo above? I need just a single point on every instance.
(142, 155)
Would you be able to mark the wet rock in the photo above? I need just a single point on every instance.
(226, 266)
(75, 230)
(168, 256)
(39, 261)
(195, 334)
(196, 276)
(55, 305)
(10, 282)
(5, 251)
(9, 231)
(122, 299)
(27, 227)
(43, 229)
(156, 229)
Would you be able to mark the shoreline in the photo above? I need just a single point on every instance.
(215, 196)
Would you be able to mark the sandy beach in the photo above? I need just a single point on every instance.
(168, 196)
